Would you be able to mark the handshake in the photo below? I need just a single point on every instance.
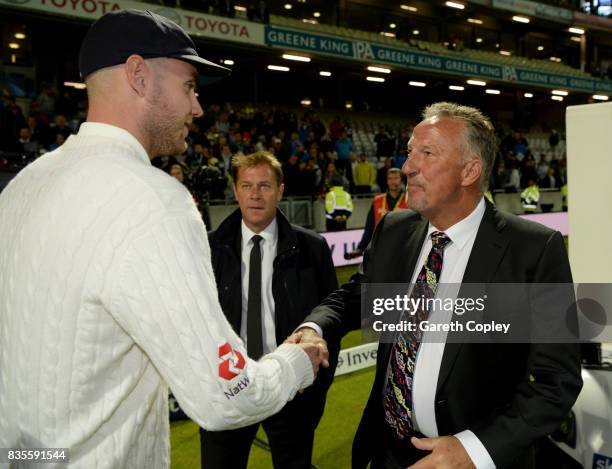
(313, 344)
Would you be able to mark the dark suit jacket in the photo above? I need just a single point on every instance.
(486, 388)
(303, 276)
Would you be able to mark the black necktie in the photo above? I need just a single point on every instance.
(254, 332)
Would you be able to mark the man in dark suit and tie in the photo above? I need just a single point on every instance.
(449, 404)
(270, 274)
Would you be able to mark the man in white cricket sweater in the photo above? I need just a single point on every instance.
(107, 294)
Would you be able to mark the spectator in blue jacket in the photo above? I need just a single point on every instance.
(343, 148)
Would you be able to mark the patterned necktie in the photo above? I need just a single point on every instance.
(254, 331)
(397, 399)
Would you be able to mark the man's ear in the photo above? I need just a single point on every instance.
(138, 74)
(471, 172)
(280, 192)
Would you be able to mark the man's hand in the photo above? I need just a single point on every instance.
(446, 452)
(307, 335)
(315, 354)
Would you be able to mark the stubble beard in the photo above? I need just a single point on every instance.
(419, 205)
(161, 126)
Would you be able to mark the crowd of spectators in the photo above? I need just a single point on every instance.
(311, 151)
(517, 167)
(52, 118)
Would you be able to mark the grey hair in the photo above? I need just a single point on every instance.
(479, 136)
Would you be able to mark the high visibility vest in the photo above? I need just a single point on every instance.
(337, 199)
(564, 195)
(379, 204)
(530, 197)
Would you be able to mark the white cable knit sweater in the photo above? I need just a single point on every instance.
(107, 296)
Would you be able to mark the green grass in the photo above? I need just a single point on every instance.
(344, 273)
(332, 448)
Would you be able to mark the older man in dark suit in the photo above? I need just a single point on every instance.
(451, 404)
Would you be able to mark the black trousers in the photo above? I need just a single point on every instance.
(333, 225)
(290, 434)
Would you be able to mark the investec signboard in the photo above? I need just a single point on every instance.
(196, 24)
(372, 52)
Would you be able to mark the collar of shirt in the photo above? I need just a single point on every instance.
(268, 253)
(461, 232)
(431, 351)
(117, 134)
(391, 201)
(269, 234)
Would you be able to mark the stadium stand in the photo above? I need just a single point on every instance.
(435, 48)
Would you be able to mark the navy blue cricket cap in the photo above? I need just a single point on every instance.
(119, 34)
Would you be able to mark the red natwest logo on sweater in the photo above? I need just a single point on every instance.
(231, 363)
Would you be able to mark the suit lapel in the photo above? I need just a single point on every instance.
(411, 243)
(411, 249)
(488, 250)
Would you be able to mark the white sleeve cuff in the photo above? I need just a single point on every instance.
(300, 363)
(312, 325)
(475, 450)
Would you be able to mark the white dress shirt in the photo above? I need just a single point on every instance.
(429, 358)
(268, 253)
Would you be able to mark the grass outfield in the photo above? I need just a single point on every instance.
(345, 402)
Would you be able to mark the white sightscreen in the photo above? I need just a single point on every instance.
(589, 166)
